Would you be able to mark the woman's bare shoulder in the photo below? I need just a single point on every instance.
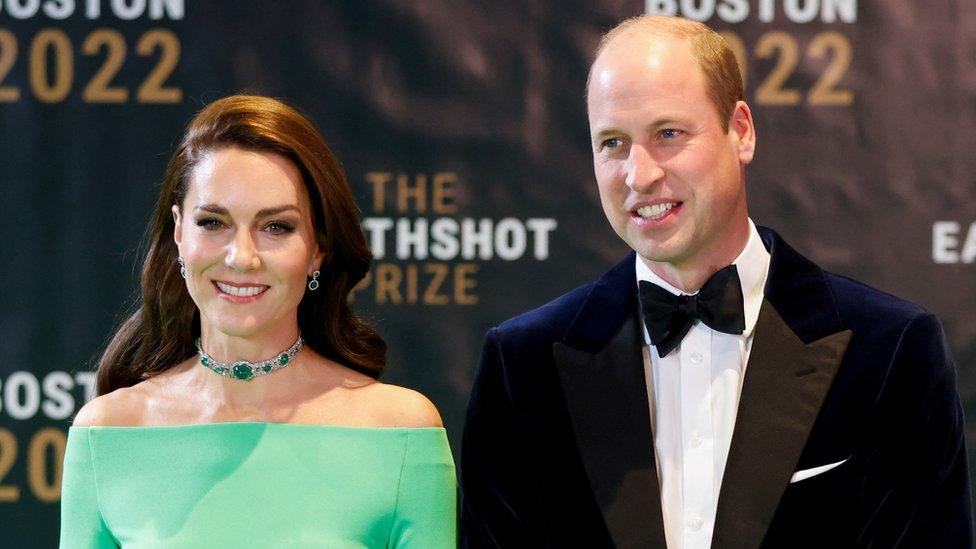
(121, 407)
(131, 406)
(368, 402)
(395, 406)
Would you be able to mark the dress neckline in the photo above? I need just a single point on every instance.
(255, 424)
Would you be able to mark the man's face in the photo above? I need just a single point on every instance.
(671, 180)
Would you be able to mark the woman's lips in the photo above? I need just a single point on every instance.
(240, 293)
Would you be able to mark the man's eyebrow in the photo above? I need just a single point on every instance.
(265, 212)
(663, 122)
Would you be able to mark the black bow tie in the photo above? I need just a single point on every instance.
(669, 317)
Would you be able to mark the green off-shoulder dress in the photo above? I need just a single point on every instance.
(258, 485)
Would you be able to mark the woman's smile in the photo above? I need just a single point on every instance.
(240, 293)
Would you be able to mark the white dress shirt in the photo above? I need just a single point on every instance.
(694, 395)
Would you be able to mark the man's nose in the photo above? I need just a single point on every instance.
(642, 169)
(242, 255)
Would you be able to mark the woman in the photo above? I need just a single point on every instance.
(239, 405)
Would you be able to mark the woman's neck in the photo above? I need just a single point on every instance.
(258, 392)
(252, 348)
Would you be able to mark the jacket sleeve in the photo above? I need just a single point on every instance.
(82, 524)
(916, 486)
(499, 494)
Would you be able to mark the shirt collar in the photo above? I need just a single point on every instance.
(752, 263)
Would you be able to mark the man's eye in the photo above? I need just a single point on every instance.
(611, 143)
(670, 133)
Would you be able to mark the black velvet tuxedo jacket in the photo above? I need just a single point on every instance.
(558, 448)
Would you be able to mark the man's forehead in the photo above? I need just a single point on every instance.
(622, 70)
(645, 50)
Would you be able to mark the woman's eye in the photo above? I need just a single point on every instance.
(279, 228)
(209, 224)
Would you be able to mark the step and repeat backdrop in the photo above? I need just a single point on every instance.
(463, 131)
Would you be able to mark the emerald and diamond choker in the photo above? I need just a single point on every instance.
(246, 371)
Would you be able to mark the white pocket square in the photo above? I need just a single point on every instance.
(814, 471)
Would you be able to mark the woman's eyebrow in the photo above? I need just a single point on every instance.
(267, 212)
(264, 212)
(212, 208)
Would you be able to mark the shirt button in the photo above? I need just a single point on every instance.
(696, 441)
(696, 523)
(696, 358)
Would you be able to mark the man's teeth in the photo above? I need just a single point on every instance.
(246, 291)
(656, 211)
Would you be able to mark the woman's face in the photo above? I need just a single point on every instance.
(245, 234)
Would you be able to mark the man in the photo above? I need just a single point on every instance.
(716, 388)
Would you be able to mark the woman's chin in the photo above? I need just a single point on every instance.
(246, 328)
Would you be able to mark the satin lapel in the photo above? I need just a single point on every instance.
(783, 389)
(607, 401)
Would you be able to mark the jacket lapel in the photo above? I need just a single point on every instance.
(602, 375)
(784, 386)
(798, 345)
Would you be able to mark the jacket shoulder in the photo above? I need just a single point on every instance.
(886, 326)
(817, 302)
(545, 323)
(859, 303)
(590, 309)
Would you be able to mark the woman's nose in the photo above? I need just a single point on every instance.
(242, 255)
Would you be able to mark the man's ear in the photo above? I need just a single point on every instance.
(178, 226)
(743, 131)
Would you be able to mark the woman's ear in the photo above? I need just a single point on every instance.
(177, 225)
(317, 259)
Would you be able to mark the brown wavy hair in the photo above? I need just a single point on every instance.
(160, 334)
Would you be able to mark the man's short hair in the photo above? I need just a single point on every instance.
(723, 81)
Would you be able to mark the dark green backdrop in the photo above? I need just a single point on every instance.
(866, 116)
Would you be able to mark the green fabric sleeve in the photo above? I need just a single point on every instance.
(426, 510)
(82, 525)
